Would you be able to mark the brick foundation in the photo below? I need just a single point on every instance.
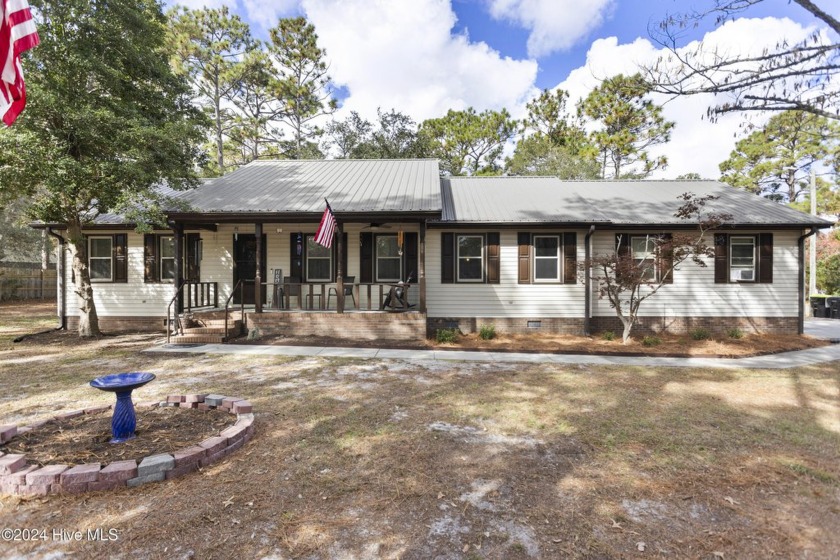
(717, 325)
(507, 325)
(645, 325)
(123, 324)
(353, 326)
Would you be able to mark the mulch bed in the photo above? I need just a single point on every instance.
(85, 439)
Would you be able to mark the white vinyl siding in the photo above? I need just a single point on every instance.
(508, 298)
(695, 294)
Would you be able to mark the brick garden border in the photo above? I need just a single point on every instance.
(18, 478)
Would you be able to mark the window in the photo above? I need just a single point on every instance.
(547, 261)
(470, 258)
(167, 258)
(318, 261)
(643, 249)
(742, 259)
(388, 259)
(100, 259)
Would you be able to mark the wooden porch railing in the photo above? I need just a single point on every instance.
(195, 294)
(201, 294)
(306, 295)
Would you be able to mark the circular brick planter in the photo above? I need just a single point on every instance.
(18, 478)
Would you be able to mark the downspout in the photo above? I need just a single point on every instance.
(61, 274)
(61, 288)
(587, 281)
(801, 322)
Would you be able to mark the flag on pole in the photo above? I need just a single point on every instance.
(324, 235)
(17, 35)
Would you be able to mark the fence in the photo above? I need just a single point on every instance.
(26, 281)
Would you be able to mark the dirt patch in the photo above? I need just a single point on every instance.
(455, 460)
(85, 439)
(667, 345)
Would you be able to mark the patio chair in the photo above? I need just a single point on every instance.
(348, 291)
(397, 298)
(292, 288)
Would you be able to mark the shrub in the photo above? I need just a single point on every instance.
(701, 333)
(608, 335)
(651, 341)
(446, 336)
(735, 333)
(487, 332)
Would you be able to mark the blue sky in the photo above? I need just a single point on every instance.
(423, 57)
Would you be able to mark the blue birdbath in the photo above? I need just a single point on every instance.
(124, 421)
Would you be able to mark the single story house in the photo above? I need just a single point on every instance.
(479, 250)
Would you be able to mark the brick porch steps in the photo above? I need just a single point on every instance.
(197, 339)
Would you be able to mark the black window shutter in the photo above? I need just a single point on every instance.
(345, 250)
(120, 257)
(524, 242)
(570, 258)
(721, 258)
(447, 257)
(410, 256)
(150, 261)
(493, 260)
(366, 258)
(192, 254)
(622, 246)
(666, 258)
(297, 252)
(765, 258)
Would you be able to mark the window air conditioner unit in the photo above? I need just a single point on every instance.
(745, 275)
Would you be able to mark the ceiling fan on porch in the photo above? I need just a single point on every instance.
(375, 227)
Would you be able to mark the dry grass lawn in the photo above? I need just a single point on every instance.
(416, 460)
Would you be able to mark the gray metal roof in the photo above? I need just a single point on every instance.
(547, 199)
(284, 186)
(654, 202)
(514, 200)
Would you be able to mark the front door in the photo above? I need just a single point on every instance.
(245, 266)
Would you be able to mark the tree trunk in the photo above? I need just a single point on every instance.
(88, 319)
(628, 326)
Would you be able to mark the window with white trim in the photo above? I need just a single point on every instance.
(388, 259)
(470, 253)
(101, 258)
(742, 259)
(318, 261)
(167, 258)
(548, 264)
(643, 249)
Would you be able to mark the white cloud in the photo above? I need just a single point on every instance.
(696, 145)
(554, 24)
(403, 54)
(265, 13)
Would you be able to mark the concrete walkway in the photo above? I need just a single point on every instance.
(773, 361)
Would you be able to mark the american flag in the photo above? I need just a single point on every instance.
(324, 235)
(17, 35)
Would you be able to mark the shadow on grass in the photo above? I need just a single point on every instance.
(386, 459)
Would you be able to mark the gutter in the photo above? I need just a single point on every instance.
(62, 299)
(587, 281)
(801, 321)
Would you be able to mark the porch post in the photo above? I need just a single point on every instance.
(179, 266)
(339, 274)
(421, 266)
(258, 230)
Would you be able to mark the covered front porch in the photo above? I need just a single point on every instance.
(242, 271)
